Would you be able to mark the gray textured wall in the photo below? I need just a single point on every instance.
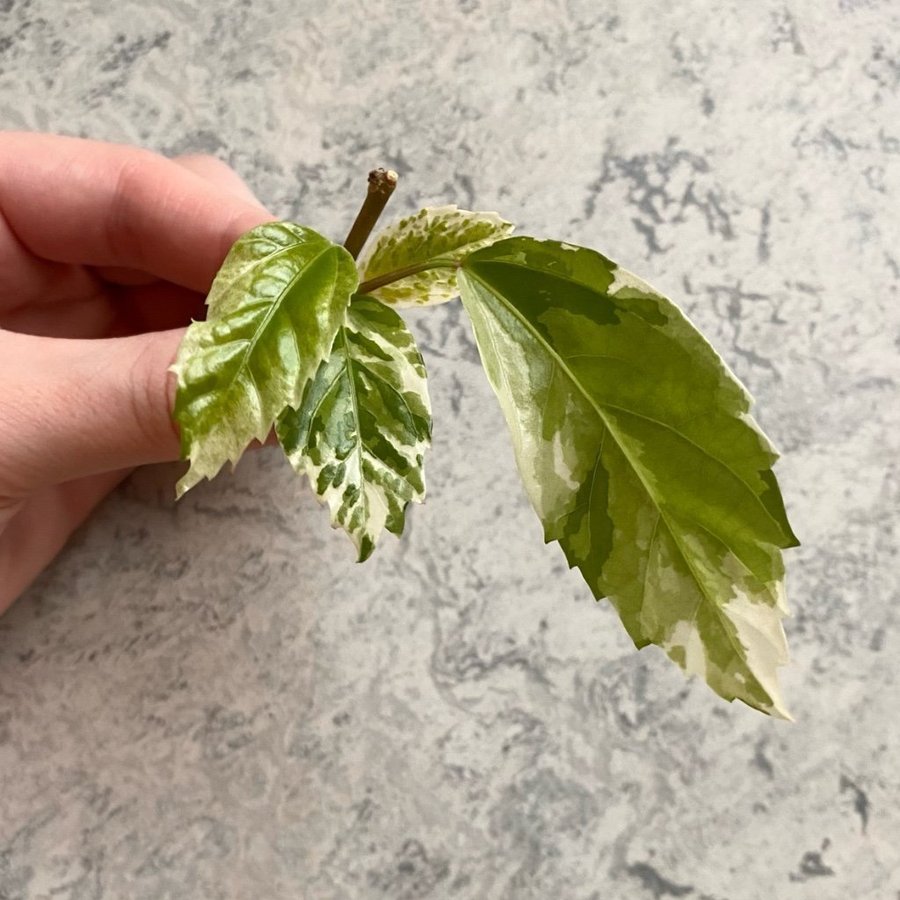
(213, 701)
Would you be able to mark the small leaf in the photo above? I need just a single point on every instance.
(638, 453)
(361, 431)
(273, 311)
(440, 233)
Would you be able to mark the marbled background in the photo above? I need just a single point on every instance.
(211, 700)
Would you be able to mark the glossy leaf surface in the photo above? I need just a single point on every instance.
(439, 233)
(638, 453)
(272, 315)
(361, 431)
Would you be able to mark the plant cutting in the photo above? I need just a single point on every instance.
(633, 438)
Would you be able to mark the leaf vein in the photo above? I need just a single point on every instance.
(650, 494)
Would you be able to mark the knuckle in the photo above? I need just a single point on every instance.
(200, 158)
(130, 187)
(205, 164)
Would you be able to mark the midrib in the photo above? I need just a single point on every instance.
(622, 448)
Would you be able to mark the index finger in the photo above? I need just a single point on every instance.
(73, 200)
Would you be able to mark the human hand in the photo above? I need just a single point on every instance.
(106, 253)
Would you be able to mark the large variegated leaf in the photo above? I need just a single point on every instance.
(361, 431)
(430, 243)
(273, 312)
(638, 453)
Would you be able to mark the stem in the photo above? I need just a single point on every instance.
(381, 185)
(390, 277)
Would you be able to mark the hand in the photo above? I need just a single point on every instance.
(106, 253)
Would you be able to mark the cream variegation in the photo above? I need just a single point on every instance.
(634, 440)
(637, 450)
(272, 314)
(439, 236)
(361, 432)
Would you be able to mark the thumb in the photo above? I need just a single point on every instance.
(71, 408)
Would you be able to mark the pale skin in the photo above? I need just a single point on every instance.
(106, 254)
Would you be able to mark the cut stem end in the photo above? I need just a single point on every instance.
(381, 185)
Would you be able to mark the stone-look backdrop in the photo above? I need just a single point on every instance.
(211, 700)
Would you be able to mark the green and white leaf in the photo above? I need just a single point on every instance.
(272, 315)
(443, 235)
(361, 431)
(637, 450)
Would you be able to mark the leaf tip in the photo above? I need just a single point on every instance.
(780, 712)
(184, 484)
(775, 708)
(365, 548)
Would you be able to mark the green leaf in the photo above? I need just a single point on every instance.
(438, 237)
(361, 431)
(637, 451)
(273, 311)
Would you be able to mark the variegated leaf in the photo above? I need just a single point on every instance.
(440, 235)
(272, 314)
(361, 431)
(637, 450)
